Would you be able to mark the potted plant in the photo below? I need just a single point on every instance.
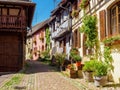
(88, 69)
(73, 52)
(60, 58)
(71, 69)
(77, 59)
(100, 73)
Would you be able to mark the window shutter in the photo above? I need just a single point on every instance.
(102, 24)
(84, 46)
(73, 39)
(78, 38)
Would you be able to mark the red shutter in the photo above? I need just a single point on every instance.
(102, 24)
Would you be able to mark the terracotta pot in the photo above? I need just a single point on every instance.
(78, 63)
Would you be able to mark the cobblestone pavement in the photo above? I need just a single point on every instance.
(44, 77)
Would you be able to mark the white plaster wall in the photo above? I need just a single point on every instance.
(116, 63)
(68, 46)
(115, 54)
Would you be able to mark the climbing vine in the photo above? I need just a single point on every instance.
(107, 56)
(90, 30)
(47, 38)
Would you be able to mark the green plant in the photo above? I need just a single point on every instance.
(111, 40)
(31, 56)
(45, 54)
(77, 58)
(47, 35)
(89, 66)
(13, 81)
(90, 30)
(60, 58)
(75, 13)
(100, 69)
(108, 58)
(74, 54)
(84, 3)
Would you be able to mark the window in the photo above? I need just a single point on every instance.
(77, 38)
(76, 41)
(42, 47)
(115, 20)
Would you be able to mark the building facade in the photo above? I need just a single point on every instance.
(15, 18)
(107, 13)
(60, 28)
(39, 39)
(108, 19)
(29, 46)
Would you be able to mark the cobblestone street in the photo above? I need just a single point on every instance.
(40, 76)
(44, 77)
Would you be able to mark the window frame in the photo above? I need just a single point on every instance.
(115, 32)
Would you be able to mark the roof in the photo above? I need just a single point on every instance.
(58, 7)
(41, 25)
(26, 3)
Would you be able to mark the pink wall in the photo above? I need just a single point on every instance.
(40, 43)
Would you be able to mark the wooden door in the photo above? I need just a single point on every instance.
(10, 52)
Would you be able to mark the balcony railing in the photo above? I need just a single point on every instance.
(63, 28)
(14, 22)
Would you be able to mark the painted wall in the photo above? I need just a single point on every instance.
(39, 45)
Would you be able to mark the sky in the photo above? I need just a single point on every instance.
(43, 9)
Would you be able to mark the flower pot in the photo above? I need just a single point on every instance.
(78, 63)
(88, 76)
(100, 81)
(73, 74)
